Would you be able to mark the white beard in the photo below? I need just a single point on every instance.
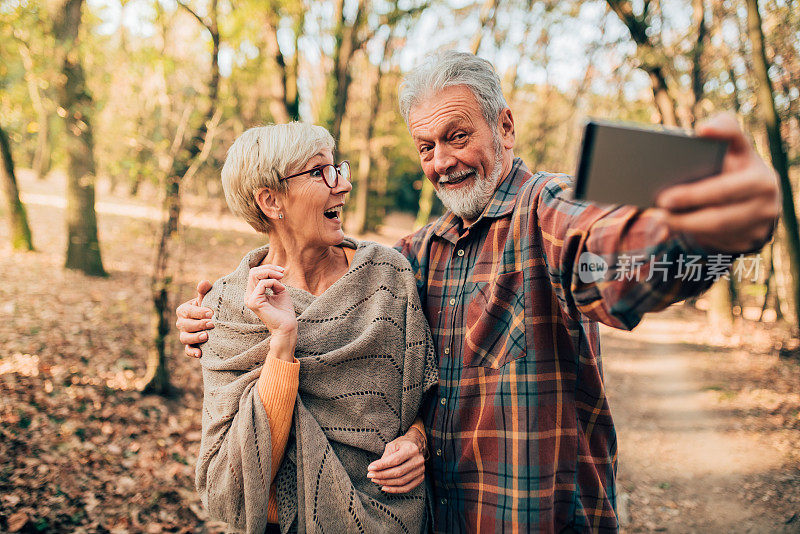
(468, 202)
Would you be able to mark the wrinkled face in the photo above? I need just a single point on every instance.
(312, 210)
(459, 152)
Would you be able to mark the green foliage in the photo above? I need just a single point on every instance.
(146, 64)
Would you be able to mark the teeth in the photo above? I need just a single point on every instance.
(455, 178)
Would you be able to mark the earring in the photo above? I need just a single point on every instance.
(280, 215)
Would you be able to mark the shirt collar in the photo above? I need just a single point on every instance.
(449, 226)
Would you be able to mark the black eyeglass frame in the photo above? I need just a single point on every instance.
(321, 168)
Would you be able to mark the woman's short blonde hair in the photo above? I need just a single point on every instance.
(263, 155)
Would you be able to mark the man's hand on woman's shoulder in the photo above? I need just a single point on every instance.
(193, 321)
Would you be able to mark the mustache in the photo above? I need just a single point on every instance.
(456, 176)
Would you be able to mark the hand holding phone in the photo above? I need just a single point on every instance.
(629, 164)
(733, 210)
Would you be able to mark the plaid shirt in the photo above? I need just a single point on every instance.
(521, 433)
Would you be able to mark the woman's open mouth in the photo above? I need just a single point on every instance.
(334, 213)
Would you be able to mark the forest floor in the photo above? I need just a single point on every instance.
(708, 423)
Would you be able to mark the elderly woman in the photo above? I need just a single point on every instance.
(319, 360)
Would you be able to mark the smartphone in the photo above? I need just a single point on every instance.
(623, 163)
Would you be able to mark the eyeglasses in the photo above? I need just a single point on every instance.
(329, 173)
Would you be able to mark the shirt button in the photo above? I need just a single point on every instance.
(447, 350)
(438, 452)
(452, 302)
(460, 252)
(443, 401)
(443, 501)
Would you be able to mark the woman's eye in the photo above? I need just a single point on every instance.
(316, 173)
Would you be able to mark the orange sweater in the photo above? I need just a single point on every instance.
(277, 389)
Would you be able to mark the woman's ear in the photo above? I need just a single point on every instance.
(268, 203)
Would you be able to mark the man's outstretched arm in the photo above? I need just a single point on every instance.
(193, 321)
(642, 255)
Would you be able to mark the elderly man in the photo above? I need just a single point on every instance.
(521, 435)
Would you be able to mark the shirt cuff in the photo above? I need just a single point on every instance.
(420, 426)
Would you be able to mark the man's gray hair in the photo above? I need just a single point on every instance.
(446, 69)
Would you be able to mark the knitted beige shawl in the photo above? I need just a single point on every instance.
(366, 360)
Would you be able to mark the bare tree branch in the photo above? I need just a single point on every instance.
(195, 15)
(206, 150)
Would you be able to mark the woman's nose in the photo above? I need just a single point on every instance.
(343, 186)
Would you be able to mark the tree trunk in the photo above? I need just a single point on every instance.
(283, 104)
(663, 101)
(346, 44)
(769, 253)
(487, 17)
(156, 378)
(41, 158)
(361, 216)
(20, 230)
(766, 107)
(651, 62)
(698, 81)
(719, 310)
(83, 248)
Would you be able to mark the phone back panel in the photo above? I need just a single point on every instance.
(628, 165)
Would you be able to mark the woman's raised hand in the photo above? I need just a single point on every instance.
(275, 308)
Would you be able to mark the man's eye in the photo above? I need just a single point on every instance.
(459, 137)
(423, 149)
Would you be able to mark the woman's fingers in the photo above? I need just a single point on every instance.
(258, 297)
(269, 283)
(409, 463)
(191, 325)
(406, 488)
(263, 272)
(193, 319)
(395, 453)
(401, 469)
(401, 480)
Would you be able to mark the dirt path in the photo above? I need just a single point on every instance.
(695, 454)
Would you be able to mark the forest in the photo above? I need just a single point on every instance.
(115, 119)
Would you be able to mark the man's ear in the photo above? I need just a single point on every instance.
(505, 127)
(268, 203)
